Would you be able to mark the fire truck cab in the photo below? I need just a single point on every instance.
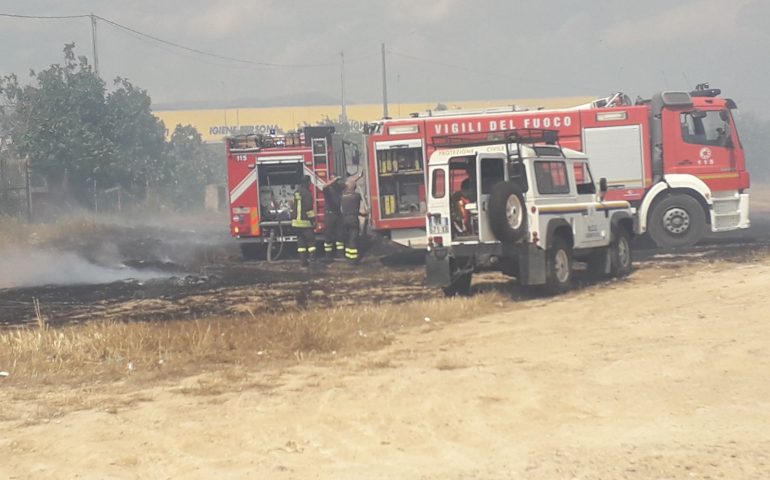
(263, 174)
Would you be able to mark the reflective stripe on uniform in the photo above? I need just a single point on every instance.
(310, 249)
(301, 249)
(298, 203)
(340, 246)
(351, 253)
(296, 223)
(328, 247)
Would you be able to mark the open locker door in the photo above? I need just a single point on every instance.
(490, 169)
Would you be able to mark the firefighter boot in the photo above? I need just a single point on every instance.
(329, 252)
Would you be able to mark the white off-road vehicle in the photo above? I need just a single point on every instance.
(518, 202)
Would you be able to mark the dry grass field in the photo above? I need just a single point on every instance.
(229, 370)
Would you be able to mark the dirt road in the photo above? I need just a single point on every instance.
(664, 375)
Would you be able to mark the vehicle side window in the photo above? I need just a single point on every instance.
(551, 177)
(583, 180)
(710, 127)
(438, 183)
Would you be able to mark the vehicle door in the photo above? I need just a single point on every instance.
(592, 225)
(700, 142)
(438, 216)
(491, 168)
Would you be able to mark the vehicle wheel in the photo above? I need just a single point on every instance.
(620, 254)
(676, 221)
(507, 212)
(558, 265)
(253, 251)
(460, 286)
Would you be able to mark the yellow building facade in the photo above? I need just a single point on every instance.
(215, 124)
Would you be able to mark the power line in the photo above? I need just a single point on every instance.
(43, 17)
(174, 44)
(213, 55)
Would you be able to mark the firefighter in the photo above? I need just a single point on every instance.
(303, 219)
(333, 217)
(352, 207)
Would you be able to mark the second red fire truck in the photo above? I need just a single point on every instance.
(677, 158)
(264, 172)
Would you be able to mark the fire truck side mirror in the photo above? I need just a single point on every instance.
(603, 185)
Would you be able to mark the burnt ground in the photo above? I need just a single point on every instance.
(204, 276)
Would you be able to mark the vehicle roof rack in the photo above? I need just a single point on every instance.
(523, 135)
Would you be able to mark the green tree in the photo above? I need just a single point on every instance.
(84, 139)
(138, 137)
(192, 165)
(59, 123)
(79, 136)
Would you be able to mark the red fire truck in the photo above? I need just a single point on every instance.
(263, 174)
(676, 158)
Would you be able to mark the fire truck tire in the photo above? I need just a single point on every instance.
(558, 267)
(252, 251)
(620, 254)
(676, 221)
(507, 212)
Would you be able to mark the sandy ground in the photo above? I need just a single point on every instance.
(664, 375)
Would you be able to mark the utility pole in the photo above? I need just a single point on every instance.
(384, 86)
(344, 116)
(93, 42)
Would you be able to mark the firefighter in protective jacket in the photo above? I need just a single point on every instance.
(303, 219)
(352, 207)
(333, 217)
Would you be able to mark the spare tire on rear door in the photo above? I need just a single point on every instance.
(507, 212)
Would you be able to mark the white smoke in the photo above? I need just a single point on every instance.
(36, 267)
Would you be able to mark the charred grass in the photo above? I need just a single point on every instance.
(227, 351)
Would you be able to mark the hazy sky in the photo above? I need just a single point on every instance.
(438, 49)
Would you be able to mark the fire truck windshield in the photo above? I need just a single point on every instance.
(710, 127)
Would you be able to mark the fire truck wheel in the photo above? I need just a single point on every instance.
(252, 251)
(507, 212)
(558, 267)
(676, 221)
(620, 254)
